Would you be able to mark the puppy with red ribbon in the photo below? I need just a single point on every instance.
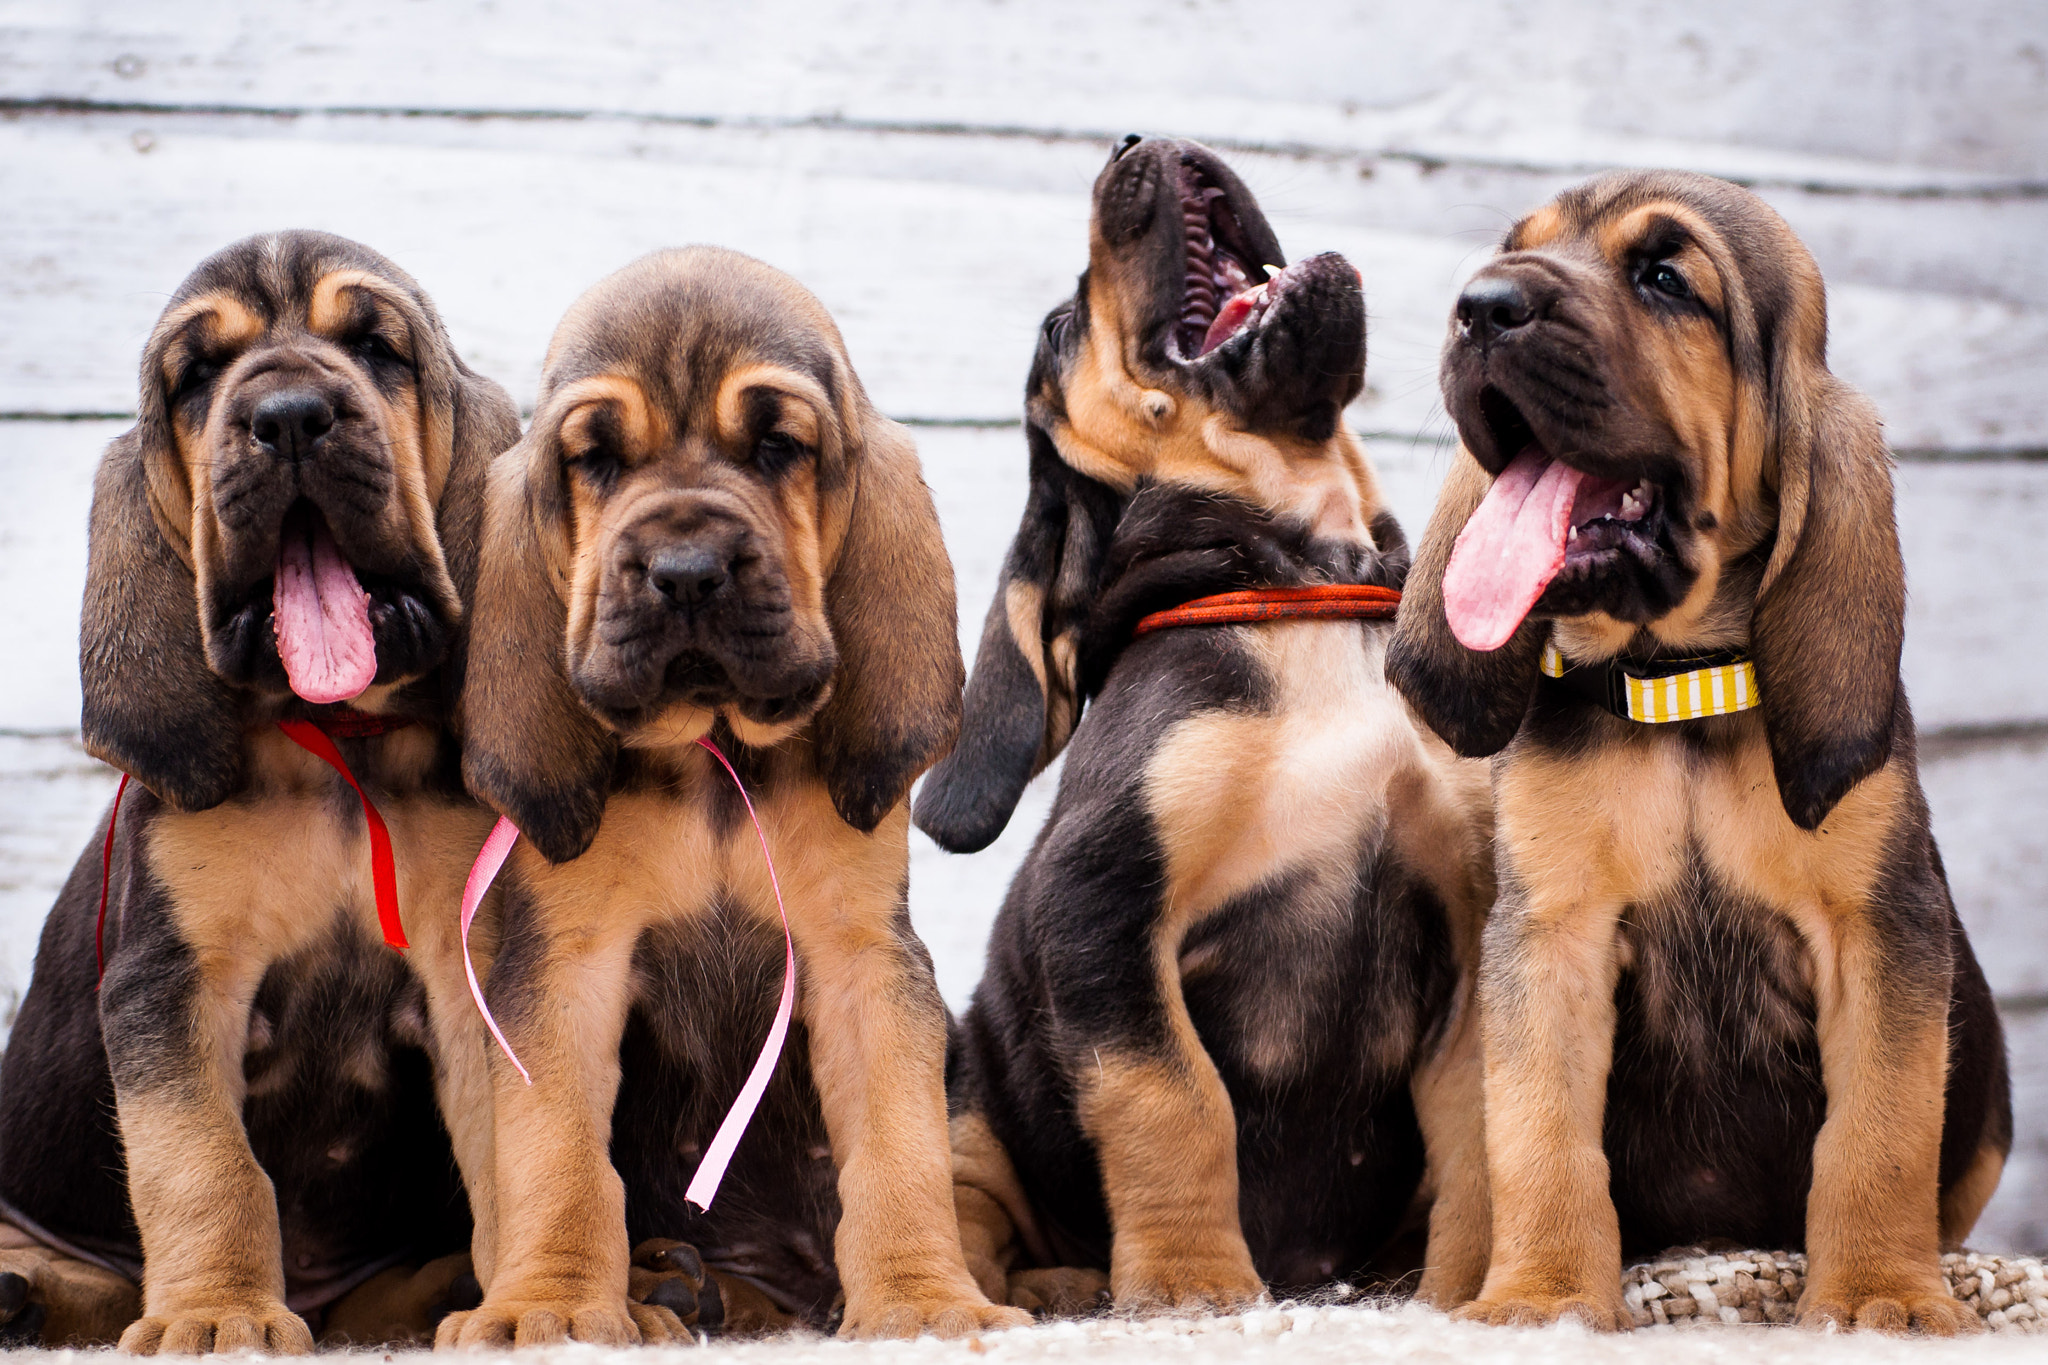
(222, 1085)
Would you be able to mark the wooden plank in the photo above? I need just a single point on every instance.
(1545, 81)
(938, 282)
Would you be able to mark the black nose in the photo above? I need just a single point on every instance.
(689, 575)
(290, 423)
(1493, 306)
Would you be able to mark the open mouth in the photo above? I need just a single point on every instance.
(1221, 297)
(1542, 517)
(320, 612)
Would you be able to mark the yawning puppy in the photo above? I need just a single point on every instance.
(1233, 973)
(242, 1111)
(709, 532)
(1725, 994)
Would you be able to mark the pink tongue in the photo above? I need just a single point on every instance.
(1510, 549)
(1229, 318)
(323, 619)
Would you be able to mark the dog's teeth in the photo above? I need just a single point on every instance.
(1571, 535)
(1271, 271)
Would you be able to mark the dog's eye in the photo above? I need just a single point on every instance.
(1663, 277)
(599, 464)
(777, 451)
(377, 349)
(198, 373)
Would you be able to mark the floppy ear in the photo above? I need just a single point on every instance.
(483, 424)
(152, 706)
(895, 704)
(530, 749)
(1023, 700)
(1475, 700)
(1831, 616)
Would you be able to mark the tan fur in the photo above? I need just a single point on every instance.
(856, 541)
(1964, 1201)
(1236, 800)
(258, 860)
(1587, 834)
(208, 1220)
(394, 1307)
(88, 1305)
(1162, 1129)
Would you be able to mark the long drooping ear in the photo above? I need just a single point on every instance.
(1023, 700)
(1475, 700)
(484, 424)
(530, 748)
(895, 704)
(1831, 615)
(152, 706)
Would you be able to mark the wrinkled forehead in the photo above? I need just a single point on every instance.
(290, 277)
(1614, 215)
(682, 334)
(285, 284)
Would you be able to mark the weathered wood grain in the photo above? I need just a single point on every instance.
(939, 279)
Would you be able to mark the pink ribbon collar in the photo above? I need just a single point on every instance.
(711, 1170)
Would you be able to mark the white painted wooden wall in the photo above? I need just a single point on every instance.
(924, 165)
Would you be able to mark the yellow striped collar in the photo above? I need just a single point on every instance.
(1694, 689)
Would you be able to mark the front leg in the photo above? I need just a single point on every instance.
(1546, 1001)
(1873, 1216)
(877, 1031)
(1154, 1108)
(463, 1051)
(560, 990)
(176, 1020)
(1449, 1091)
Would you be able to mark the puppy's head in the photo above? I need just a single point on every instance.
(270, 535)
(706, 519)
(1186, 316)
(1657, 460)
(1189, 358)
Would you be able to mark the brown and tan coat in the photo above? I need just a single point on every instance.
(1224, 1039)
(1725, 994)
(709, 531)
(242, 1114)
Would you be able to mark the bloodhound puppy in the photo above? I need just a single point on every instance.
(1724, 993)
(241, 1113)
(1224, 1038)
(709, 532)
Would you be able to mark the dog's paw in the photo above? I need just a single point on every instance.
(930, 1314)
(21, 1318)
(264, 1326)
(510, 1320)
(1896, 1309)
(1601, 1313)
(670, 1276)
(1061, 1292)
(1184, 1284)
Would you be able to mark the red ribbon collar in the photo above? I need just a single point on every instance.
(317, 738)
(1322, 602)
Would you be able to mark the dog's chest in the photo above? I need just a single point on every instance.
(261, 880)
(1293, 784)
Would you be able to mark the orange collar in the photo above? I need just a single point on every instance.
(1322, 602)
